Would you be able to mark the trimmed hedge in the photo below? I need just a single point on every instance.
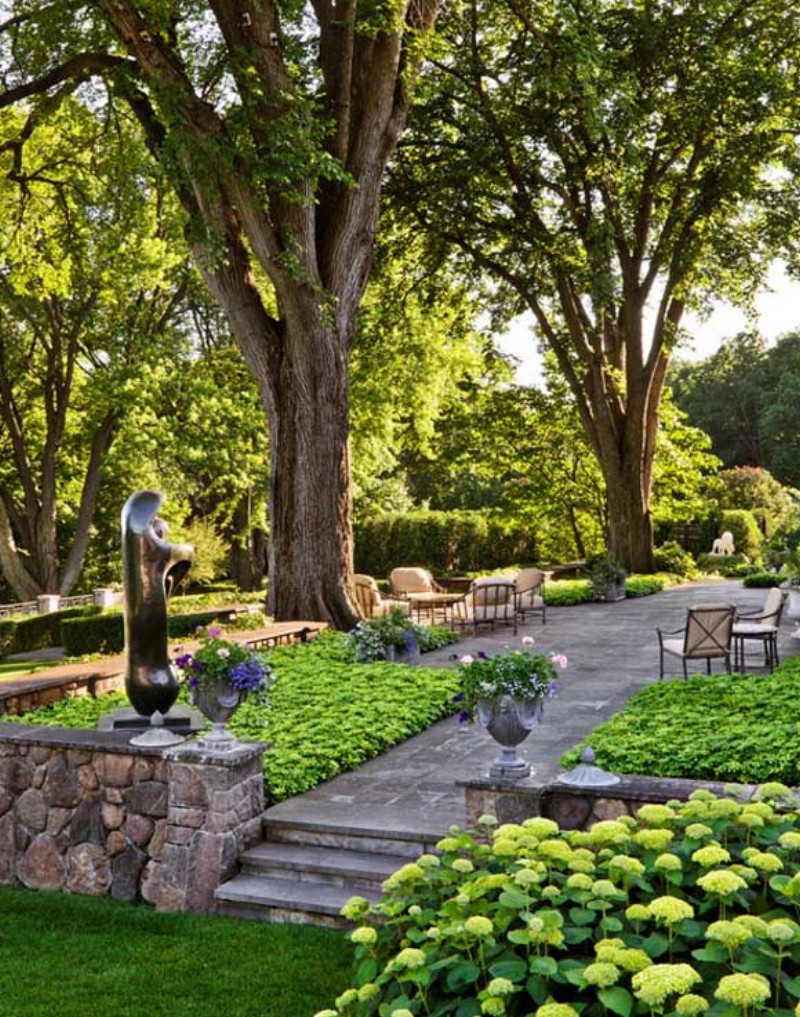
(39, 631)
(747, 537)
(445, 542)
(762, 580)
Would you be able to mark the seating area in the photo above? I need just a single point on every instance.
(488, 601)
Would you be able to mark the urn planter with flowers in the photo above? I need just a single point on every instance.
(506, 694)
(220, 675)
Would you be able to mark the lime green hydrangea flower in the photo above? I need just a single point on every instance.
(608, 831)
(410, 958)
(702, 794)
(527, 877)
(479, 925)
(365, 935)
(743, 990)
(462, 865)
(730, 934)
(711, 855)
(722, 882)
(691, 1005)
(790, 840)
(559, 1010)
(504, 846)
(348, 997)
(579, 881)
(601, 973)
(765, 861)
(670, 910)
(755, 926)
(429, 861)
(748, 875)
(405, 875)
(327, 1013)
(555, 850)
(367, 992)
(638, 913)
(487, 820)
(656, 815)
(750, 819)
(448, 844)
(668, 862)
(415, 910)
(783, 930)
(633, 960)
(355, 908)
(402, 1012)
(434, 932)
(625, 865)
(774, 789)
(540, 827)
(494, 1006)
(604, 888)
(763, 809)
(463, 900)
(723, 808)
(698, 831)
(550, 891)
(653, 840)
(510, 830)
(654, 984)
(500, 987)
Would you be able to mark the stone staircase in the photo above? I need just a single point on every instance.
(304, 871)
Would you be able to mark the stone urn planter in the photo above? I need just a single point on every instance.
(218, 703)
(407, 654)
(509, 721)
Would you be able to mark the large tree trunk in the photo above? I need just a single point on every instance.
(630, 523)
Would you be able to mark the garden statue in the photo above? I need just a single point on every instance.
(151, 569)
(723, 545)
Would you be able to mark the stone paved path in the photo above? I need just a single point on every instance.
(613, 652)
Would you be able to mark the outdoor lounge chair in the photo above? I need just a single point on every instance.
(370, 602)
(491, 600)
(412, 580)
(529, 593)
(761, 625)
(706, 636)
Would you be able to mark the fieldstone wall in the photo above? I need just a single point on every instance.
(576, 808)
(85, 812)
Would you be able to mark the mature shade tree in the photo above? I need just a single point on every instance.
(91, 284)
(275, 122)
(610, 162)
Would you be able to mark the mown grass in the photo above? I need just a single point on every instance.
(63, 956)
(17, 669)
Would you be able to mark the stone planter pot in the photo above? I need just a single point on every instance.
(509, 721)
(409, 654)
(217, 703)
(614, 592)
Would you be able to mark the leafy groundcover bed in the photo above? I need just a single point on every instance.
(328, 715)
(719, 727)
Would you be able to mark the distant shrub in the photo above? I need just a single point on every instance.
(644, 586)
(747, 537)
(566, 592)
(673, 558)
(39, 631)
(762, 580)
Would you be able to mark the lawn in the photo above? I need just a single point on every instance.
(63, 956)
(16, 668)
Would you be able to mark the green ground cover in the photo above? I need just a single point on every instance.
(718, 727)
(328, 714)
(63, 956)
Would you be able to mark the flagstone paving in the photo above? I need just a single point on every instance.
(612, 651)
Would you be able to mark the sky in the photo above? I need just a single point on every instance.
(778, 309)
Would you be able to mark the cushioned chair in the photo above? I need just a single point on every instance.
(529, 593)
(706, 636)
(490, 601)
(370, 602)
(412, 580)
(759, 626)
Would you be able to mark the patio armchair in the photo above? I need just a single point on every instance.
(706, 636)
(762, 626)
(412, 580)
(491, 600)
(529, 593)
(370, 602)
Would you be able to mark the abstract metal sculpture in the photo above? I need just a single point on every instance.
(151, 569)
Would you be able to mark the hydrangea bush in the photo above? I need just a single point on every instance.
(692, 910)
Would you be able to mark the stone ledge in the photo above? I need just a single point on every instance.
(73, 738)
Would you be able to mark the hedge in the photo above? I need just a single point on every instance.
(445, 542)
(22, 635)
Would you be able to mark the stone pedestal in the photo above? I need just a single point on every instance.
(46, 603)
(213, 813)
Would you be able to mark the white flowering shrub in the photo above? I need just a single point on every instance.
(692, 909)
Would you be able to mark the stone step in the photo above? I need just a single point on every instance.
(297, 901)
(409, 844)
(311, 863)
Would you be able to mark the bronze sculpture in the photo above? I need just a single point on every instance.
(151, 569)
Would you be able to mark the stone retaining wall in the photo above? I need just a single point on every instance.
(86, 812)
(576, 808)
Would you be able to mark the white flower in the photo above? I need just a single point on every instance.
(223, 652)
(528, 640)
(467, 658)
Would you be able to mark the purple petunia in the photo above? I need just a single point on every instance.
(185, 660)
(247, 676)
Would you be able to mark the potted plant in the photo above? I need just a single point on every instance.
(219, 675)
(607, 577)
(505, 694)
(391, 637)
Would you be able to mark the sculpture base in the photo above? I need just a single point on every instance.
(181, 719)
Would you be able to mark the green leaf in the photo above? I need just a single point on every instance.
(655, 945)
(514, 970)
(469, 1008)
(617, 999)
(519, 936)
(366, 971)
(546, 966)
(463, 974)
(611, 924)
(538, 989)
(581, 916)
(575, 936)
(514, 899)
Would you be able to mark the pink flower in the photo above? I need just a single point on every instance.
(214, 632)
(528, 640)
(559, 660)
(466, 659)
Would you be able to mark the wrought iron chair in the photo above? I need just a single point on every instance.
(706, 636)
(370, 602)
(529, 593)
(761, 626)
(490, 601)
